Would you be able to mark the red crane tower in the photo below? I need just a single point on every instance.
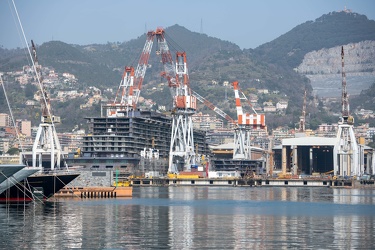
(246, 122)
(181, 153)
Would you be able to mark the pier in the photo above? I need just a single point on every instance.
(252, 182)
(96, 192)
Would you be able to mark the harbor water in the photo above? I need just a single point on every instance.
(198, 218)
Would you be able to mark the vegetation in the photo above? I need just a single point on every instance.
(13, 151)
(330, 30)
(211, 62)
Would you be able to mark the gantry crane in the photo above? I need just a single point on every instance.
(46, 140)
(181, 153)
(246, 122)
(184, 103)
(346, 149)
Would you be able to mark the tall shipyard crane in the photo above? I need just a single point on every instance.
(181, 153)
(246, 122)
(127, 95)
(346, 149)
(184, 103)
(46, 140)
(302, 118)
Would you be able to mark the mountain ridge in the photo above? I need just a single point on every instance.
(210, 60)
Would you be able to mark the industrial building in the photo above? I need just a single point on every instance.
(309, 155)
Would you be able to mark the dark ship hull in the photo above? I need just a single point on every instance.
(37, 187)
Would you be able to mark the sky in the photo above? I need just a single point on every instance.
(247, 23)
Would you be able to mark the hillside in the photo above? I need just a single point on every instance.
(211, 62)
(323, 67)
(330, 30)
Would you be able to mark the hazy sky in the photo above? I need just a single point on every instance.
(247, 23)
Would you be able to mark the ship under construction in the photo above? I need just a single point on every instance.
(136, 144)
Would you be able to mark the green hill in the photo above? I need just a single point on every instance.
(329, 30)
(211, 62)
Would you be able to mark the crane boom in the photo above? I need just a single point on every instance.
(181, 153)
(131, 83)
(46, 141)
(344, 94)
(169, 68)
(142, 66)
(45, 102)
(213, 107)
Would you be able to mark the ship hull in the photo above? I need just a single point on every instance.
(38, 187)
(16, 178)
(7, 170)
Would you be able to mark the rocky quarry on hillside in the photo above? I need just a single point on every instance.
(323, 68)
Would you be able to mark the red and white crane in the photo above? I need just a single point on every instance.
(181, 153)
(184, 103)
(128, 93)
(246, 122)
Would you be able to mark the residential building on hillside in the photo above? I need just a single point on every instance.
(4, 145)
(282, 105)
(269, 108)
(5, 120)
(24, 127)
(263, 91)
(282, 133)
(206, 122)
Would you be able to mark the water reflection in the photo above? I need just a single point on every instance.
(197, 218)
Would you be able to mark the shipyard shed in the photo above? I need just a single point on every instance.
(307, 155)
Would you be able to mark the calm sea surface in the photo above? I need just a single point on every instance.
(198, 218)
